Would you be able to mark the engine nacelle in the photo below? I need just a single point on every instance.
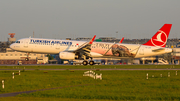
(66, 55)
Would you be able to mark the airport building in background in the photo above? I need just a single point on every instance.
(9, 56)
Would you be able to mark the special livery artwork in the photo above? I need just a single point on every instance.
(121, 51)
(117, 50)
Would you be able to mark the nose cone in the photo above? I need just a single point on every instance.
(12, 46)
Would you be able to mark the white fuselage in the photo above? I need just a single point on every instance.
(98, 49)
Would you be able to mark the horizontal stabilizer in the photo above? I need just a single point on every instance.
(158, 50)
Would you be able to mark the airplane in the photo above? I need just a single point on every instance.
(85, 50)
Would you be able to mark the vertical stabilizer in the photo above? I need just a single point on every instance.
(160, 38)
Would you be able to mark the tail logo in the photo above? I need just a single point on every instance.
(160, 39)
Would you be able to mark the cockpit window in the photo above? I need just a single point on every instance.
(17, 42)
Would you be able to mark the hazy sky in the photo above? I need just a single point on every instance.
(85, 18)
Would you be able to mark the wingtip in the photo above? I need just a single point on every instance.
(94, 36)
(92, 39)
(121, 40)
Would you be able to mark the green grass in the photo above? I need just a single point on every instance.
(87, 67)
(46, 99)
(116, 85)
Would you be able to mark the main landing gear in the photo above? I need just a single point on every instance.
(91, 62)
(85, 62)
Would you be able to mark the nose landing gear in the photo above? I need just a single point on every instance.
(27, 59)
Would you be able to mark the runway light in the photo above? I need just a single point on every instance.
(168, 74)
(2, 84)
(13, 75)
(147, 76)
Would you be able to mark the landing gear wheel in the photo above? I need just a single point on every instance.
(85, 62)
(91, 62)
(27, 59)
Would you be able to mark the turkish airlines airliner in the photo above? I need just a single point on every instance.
(83, 50)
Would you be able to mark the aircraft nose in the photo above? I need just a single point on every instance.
(12, 46)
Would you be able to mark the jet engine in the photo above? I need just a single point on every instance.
(67, 55)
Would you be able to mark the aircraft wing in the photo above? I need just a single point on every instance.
(85, 48)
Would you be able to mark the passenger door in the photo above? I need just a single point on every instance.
(26, 43)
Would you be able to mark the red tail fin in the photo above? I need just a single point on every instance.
(121, 40)
(160, 38)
